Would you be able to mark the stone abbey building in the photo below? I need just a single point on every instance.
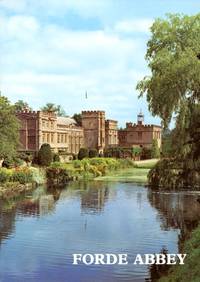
(140, 134)
(66, 137)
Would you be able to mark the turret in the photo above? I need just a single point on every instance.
(140, 118)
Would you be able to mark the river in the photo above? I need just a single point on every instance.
(40, 231)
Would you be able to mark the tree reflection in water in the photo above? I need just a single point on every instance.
(178, 211)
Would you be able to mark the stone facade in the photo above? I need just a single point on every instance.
(39, 127)
(98, 132)
(65, 137)
(139, 135)
(111, 128)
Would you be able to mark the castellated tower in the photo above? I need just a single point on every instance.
(93, 123)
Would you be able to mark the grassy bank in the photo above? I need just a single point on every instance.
(59, 173)
(138, 173)
(190, 271)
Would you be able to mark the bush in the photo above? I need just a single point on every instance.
(5, 175)
(93, 153)
(59, 176)
(22, 176)
(45, 155)
(10, 162)
(56, 158)
(83, 153)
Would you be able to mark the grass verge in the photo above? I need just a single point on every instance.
(190, 271)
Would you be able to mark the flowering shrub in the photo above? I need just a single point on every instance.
(22, 175)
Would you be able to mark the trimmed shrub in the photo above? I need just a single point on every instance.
(93, 153)
(83, 153)
(45, 155)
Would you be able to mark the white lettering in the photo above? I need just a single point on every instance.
(181, 258)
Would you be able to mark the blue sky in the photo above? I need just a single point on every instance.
(55, 50)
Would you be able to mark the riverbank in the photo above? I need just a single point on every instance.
(190, 271)
(138, 173)
(16, 181)
(86, 169)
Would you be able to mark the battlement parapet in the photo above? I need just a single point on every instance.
(29, 113)
(93, 112)
(145, 126)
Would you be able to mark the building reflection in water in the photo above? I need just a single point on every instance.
(93, 200)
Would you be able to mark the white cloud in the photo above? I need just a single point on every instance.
(46, 62)
(136, 25)
(14, 5)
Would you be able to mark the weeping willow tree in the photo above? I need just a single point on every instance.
(173, 88)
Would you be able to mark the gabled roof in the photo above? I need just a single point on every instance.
(65, 121)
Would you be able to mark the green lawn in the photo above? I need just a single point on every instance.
(138, 175)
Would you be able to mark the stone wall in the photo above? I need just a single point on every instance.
(93, 123)
(139, 135)
(111, 133)
(40, 127)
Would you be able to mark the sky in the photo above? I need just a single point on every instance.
(56, 50)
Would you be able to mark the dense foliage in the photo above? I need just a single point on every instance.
(20, 105)
(22, 175)
(78, 119)
(190, 271)
(57, 109)
(9, 129)
(45, 155)
(173, 89)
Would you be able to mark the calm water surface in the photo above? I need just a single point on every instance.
(40, 232)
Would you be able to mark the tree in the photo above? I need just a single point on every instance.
(155, 152)
(78, 119)
(172, 55)
(20, 105)
(83, 153)
(50, 107)
(9, 129)
(173, 88)
(45, 155)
